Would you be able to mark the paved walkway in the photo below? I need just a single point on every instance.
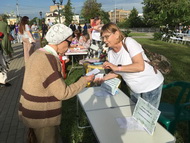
(11, 129)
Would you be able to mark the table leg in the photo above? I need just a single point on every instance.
(72, 65)
(78, 117)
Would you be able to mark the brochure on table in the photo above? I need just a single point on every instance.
(146, 114)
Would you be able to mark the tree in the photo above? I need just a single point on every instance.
(162, 12)
(134, 20)
(91, 9)
(104, 16)
(68, 13)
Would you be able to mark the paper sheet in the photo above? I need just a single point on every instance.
(102, 93)
(146, 114)
(129, 123)
(94, 71)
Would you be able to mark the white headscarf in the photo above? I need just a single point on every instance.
(58, 33)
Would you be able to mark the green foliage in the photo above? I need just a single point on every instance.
(133, 21)
(126, 33)
(164, 12)
(91, 9)
(34, 20)
(104, 16)
(157, 35)
(5, 17)
(122, 24)
(68, 13)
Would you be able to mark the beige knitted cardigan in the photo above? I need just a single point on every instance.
(43, 91)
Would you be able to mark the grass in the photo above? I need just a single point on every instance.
(137, 34)
(178, 55)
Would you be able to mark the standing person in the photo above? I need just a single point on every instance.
(44, 29)
(44, 87)
(131, 66)
(73, 27)
(95, 36)
(27, 38)
(3, 66)
(85, 28)
(49, 24)
(6, 43)
(79, 28)
(34, 27)
(16, 32)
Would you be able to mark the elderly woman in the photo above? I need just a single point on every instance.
(44, 87)
(131, 66)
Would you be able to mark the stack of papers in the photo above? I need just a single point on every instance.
(111, 85)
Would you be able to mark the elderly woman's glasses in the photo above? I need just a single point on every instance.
(105, 37)
(69, 42)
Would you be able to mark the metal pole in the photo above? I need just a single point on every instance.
(17, 11)
(115, 12)
(59, 13)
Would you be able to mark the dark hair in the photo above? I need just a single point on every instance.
(77, 32)
(23, 22)
(86, 35)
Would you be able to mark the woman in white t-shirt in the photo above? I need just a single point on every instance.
(131, 66)
(27, 39)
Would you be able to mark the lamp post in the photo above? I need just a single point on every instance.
(40, 14)
(58, 4)
(115, 13)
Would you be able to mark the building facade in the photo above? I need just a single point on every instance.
(54, 17)
(119, 15)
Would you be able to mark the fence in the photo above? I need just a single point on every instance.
(142, 29)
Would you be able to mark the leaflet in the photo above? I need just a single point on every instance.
(94, 71)
(146, 114)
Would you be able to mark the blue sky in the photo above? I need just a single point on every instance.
(32, 8)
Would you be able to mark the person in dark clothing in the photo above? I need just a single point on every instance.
(44, 29)
(73, 28)
(3, 66)
(85, 28)
(79, 28)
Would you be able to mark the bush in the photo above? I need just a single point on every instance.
(157, 35)
(126, 33)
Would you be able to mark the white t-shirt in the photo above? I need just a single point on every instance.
(25, 34)
(139, 82)
(96, 35)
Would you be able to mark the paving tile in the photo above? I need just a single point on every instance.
(11, 131)
(11, 139)
(3, 135)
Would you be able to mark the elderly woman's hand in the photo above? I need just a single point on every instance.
(90, 78)
(108, 65)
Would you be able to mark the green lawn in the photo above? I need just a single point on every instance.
(137, 34)
(178, 55)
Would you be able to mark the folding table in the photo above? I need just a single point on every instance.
(102, 113)
(89, 101)
(107, 129)
(72, 54)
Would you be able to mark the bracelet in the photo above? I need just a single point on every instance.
(119, 68)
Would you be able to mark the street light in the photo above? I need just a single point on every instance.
(40, 14)
(58, 4)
